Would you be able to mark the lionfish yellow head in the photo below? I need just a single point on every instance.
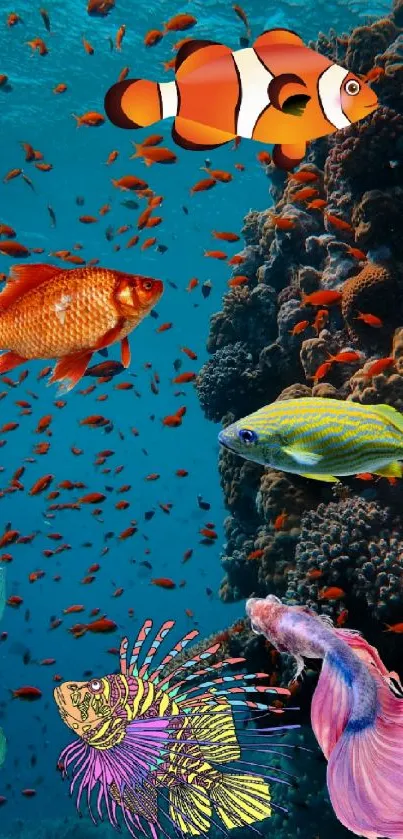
(94, 710)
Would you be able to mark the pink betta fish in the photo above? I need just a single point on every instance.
(356, 714)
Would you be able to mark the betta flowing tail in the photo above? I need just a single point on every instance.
(137, 103)
(358, 722)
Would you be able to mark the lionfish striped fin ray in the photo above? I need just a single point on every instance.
(138, 644)
(234, 678)
(203, 672)
(190, 663)
(174, 652)
(161, 634)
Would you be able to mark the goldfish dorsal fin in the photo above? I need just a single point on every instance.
(387, 412)
(273, 37)
(24, 278)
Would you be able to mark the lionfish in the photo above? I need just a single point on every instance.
(149, 738)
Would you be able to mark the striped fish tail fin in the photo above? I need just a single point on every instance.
(137, 103)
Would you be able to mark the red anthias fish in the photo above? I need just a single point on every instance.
(51, 312)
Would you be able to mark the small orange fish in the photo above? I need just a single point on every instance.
(90, 118)
(394, 627)
(356, 253)
(280, 520)
(226, 236)
(189, 353)
(256, 554)
(374, 74)
(151, 154)
(264, 157)
(370, 320)
(347, 357)
(179, 23)
(216, 254)
(163, 582)
(303, 194)
(317, 204)
(321, 318)
(332, 593)
(379, 366)
(219, 174)
(88, 47)
(304, 176)
(60, 88)
(239, 279)
(203, 185)
(153, 37)
(299, 327)
(322, 371)
(184, 378)
(40, 485)
(119, 36)
(282, 222)
(193, 283)
(322, 298)
(342, 618)
(339, 222)
(314, 574)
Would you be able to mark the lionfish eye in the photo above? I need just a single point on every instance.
(95, 686)
(352, 87)
(247, 435)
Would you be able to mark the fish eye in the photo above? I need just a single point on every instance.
(352, 87)
(147, 285)
(247, 435)
(95, 686)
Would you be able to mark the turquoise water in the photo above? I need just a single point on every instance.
(30, 112)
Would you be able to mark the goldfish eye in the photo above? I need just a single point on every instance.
(95, 686)
(147, 285)
(352, 87)
(247, 436)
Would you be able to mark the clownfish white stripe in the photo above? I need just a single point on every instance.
(254, 80)
(329, 90)
(169, 99)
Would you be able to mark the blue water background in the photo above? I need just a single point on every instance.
(31, 112)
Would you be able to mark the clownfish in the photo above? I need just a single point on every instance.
(277, 91)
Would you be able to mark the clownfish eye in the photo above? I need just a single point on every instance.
(352, 87)
(95, 686)
(247, 436)
(147, 285)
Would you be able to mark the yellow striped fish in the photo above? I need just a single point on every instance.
(320, 438)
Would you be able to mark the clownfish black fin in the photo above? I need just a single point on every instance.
(288, 156)
(197, 137)
(295, 105)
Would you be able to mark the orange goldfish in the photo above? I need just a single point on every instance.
(81, 311)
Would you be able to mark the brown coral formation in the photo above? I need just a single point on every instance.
(374, 290)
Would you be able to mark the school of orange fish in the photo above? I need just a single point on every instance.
(74, 495)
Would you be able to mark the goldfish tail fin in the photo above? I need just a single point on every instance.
(9, 360)
(69, 370)
(365, 769)
(137, 103)
(241, 799)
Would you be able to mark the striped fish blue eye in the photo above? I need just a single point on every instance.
(247, 435)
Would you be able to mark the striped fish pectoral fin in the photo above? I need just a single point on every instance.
(194, 136)
(241, 799)
(301, 456)
(392, 470)
(284, 88)
(289, 155)
(330, 479)
(190, 809)
(214, 729)
(295, 105)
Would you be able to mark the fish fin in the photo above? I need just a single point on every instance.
(302, 457)
(213, 727)
(138, 644)
(192, 47)
(241, 799)
(288, 156)
(190, 809)
(392, 470)
(171, 655)
(330, 479)
(162, 632)
(103, 352)
(24, 278)
(386, 412)
(274, 37)
(195, 136)
(365, 770)
(110, 337)
(69, 370)
(295, 105)
(9, 360)
(125, 352)
(331, 707)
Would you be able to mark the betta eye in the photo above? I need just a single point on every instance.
(95, 686)
(352, 87)
(247, 435)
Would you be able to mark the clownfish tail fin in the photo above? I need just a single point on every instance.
(138, 103)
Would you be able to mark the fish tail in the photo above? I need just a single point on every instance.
(241, 799)
(358, 720)
(137, 103)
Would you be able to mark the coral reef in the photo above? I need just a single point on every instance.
(375, 291)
